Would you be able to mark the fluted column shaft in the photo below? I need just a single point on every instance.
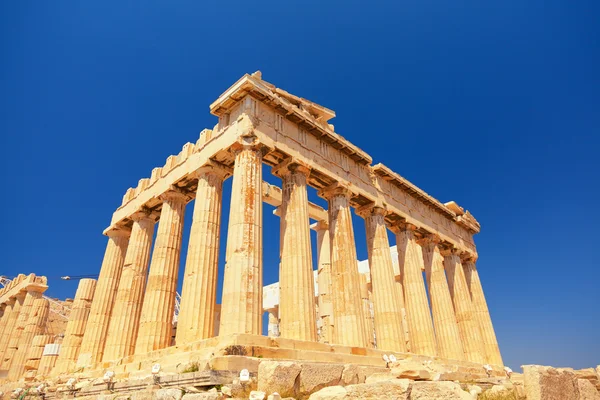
(349, 326)
(418, 314)
(296, 280)
(468, 326)
(241, 309)
(36, 322)
(75, 329)
(15, 339)
(11, 313)
(199, 291)
(156, 321)
(273, 329)
(449, 344)
(4, 315)
(125, 320)
(386, 303)
(366, 298)
(482, 314)
(94, 339)
(324, 281)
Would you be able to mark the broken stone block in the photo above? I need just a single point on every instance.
(257, 395)
(330, 393)
(278, 376)
(396, 389)
(168, 394)
(547, 383)
(352, 374)
(438, 391)
(314, 377)
(587, 391)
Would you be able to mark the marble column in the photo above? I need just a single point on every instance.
(324, 281)
(349, 326)
(8, 321)
(94, 339)
(15, 339)
(418, 314)
(273, 330)
(36, 322)
(366, 298)
(75, 329)
(35, 352)
(198, 296)
(468, 327)
(297, 319)
(125, 320)
(481, 311)
(241, 306)
(156, 321)
(449, 344)
(387, 306)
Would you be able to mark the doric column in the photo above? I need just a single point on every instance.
(241, 306)
(418, 314)
(273, 330)
(324, 281)
(156, 321)
(36, 322)
(35, 352)
(198, 296)
(71, 344)
(449, 344)
(482, 314)
(387, 307)
(366, 299)
(349, 326)
(15, 339)
(297, 319)
(8, 321)
(125, 320)
(468, 327)
(94, 339)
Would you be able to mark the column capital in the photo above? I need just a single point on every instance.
(450, 250)
(402, 226)
(466, 257)
(335, 189)
(289, 166)
(144, 213)
(175, 194)
(117, 231)
(247, 141)
(369, 210)
(430, 239)
(212, 167)
(321, 225)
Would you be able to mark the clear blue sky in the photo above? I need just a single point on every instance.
(493, 104)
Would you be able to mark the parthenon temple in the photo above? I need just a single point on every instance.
(421, 297)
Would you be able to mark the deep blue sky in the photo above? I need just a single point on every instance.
(493, 104)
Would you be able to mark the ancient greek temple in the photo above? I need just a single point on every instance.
(423, 296)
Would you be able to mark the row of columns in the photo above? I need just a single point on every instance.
(16, 334)
(129, 316)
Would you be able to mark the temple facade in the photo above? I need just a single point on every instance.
(423, 296)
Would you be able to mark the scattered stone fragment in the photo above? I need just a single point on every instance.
(547, 383)
(587, 391)
(278, 376)
(438, 391)
(315, 376)
(352, 374)
(257, 395)
(168, 394)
